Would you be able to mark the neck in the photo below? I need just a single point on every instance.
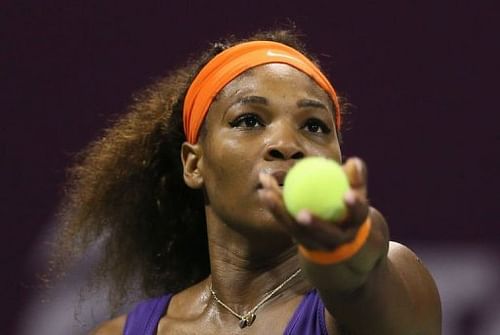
(246, 265)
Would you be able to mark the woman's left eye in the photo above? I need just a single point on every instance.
(316, 126)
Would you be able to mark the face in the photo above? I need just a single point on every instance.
(263, 121)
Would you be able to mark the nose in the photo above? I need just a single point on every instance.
(284, 146)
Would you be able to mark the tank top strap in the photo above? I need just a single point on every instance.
(144, 318)
(309, 317)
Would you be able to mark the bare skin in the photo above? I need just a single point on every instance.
(261, 124)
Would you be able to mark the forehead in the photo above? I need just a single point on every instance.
(272, 79)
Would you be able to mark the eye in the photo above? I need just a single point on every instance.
(316, 126)
(247, 121)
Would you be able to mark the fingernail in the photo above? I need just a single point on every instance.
(304, 217)
(350, 197)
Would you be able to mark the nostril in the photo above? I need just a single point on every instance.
(276, 154)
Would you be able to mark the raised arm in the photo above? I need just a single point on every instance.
(382, 288)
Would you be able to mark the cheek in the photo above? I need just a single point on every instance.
(331, 151)
(228, 167)
(336, 153)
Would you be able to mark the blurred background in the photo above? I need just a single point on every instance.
(422, 78)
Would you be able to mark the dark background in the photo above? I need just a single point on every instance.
(423, 79)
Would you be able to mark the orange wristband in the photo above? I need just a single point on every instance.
(342, 252)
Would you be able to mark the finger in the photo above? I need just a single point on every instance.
(327, 234)
(272, 196)
(269, 182)
(357, 208)
(307, 230)
(356, 172)
(274, 203)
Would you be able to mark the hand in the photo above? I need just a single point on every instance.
(311, 231)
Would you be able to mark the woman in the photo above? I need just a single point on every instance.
(185, 191)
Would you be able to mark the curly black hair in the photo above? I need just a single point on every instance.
(126, 189)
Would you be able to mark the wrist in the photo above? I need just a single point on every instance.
(341, 253)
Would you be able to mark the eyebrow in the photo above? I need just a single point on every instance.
(303, 103)
(248, 100)
(253, 99)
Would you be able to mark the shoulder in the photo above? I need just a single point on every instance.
(409, 264)
(111, 327)
(417, 279)
(411, 268)
(418, 282)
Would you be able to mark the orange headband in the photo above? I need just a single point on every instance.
(230, 63)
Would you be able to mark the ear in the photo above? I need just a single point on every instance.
(191, 155)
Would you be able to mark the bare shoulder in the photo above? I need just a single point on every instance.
(408, 262)
(420, 286)
(410, 267)
(400, 252)
(111, 327)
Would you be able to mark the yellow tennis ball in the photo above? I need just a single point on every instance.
(318, 185)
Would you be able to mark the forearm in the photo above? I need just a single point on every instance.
(354, 291)
(383, 289)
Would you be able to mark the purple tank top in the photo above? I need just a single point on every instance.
(308, 318)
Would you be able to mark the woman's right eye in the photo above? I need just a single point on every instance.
(246, 121)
